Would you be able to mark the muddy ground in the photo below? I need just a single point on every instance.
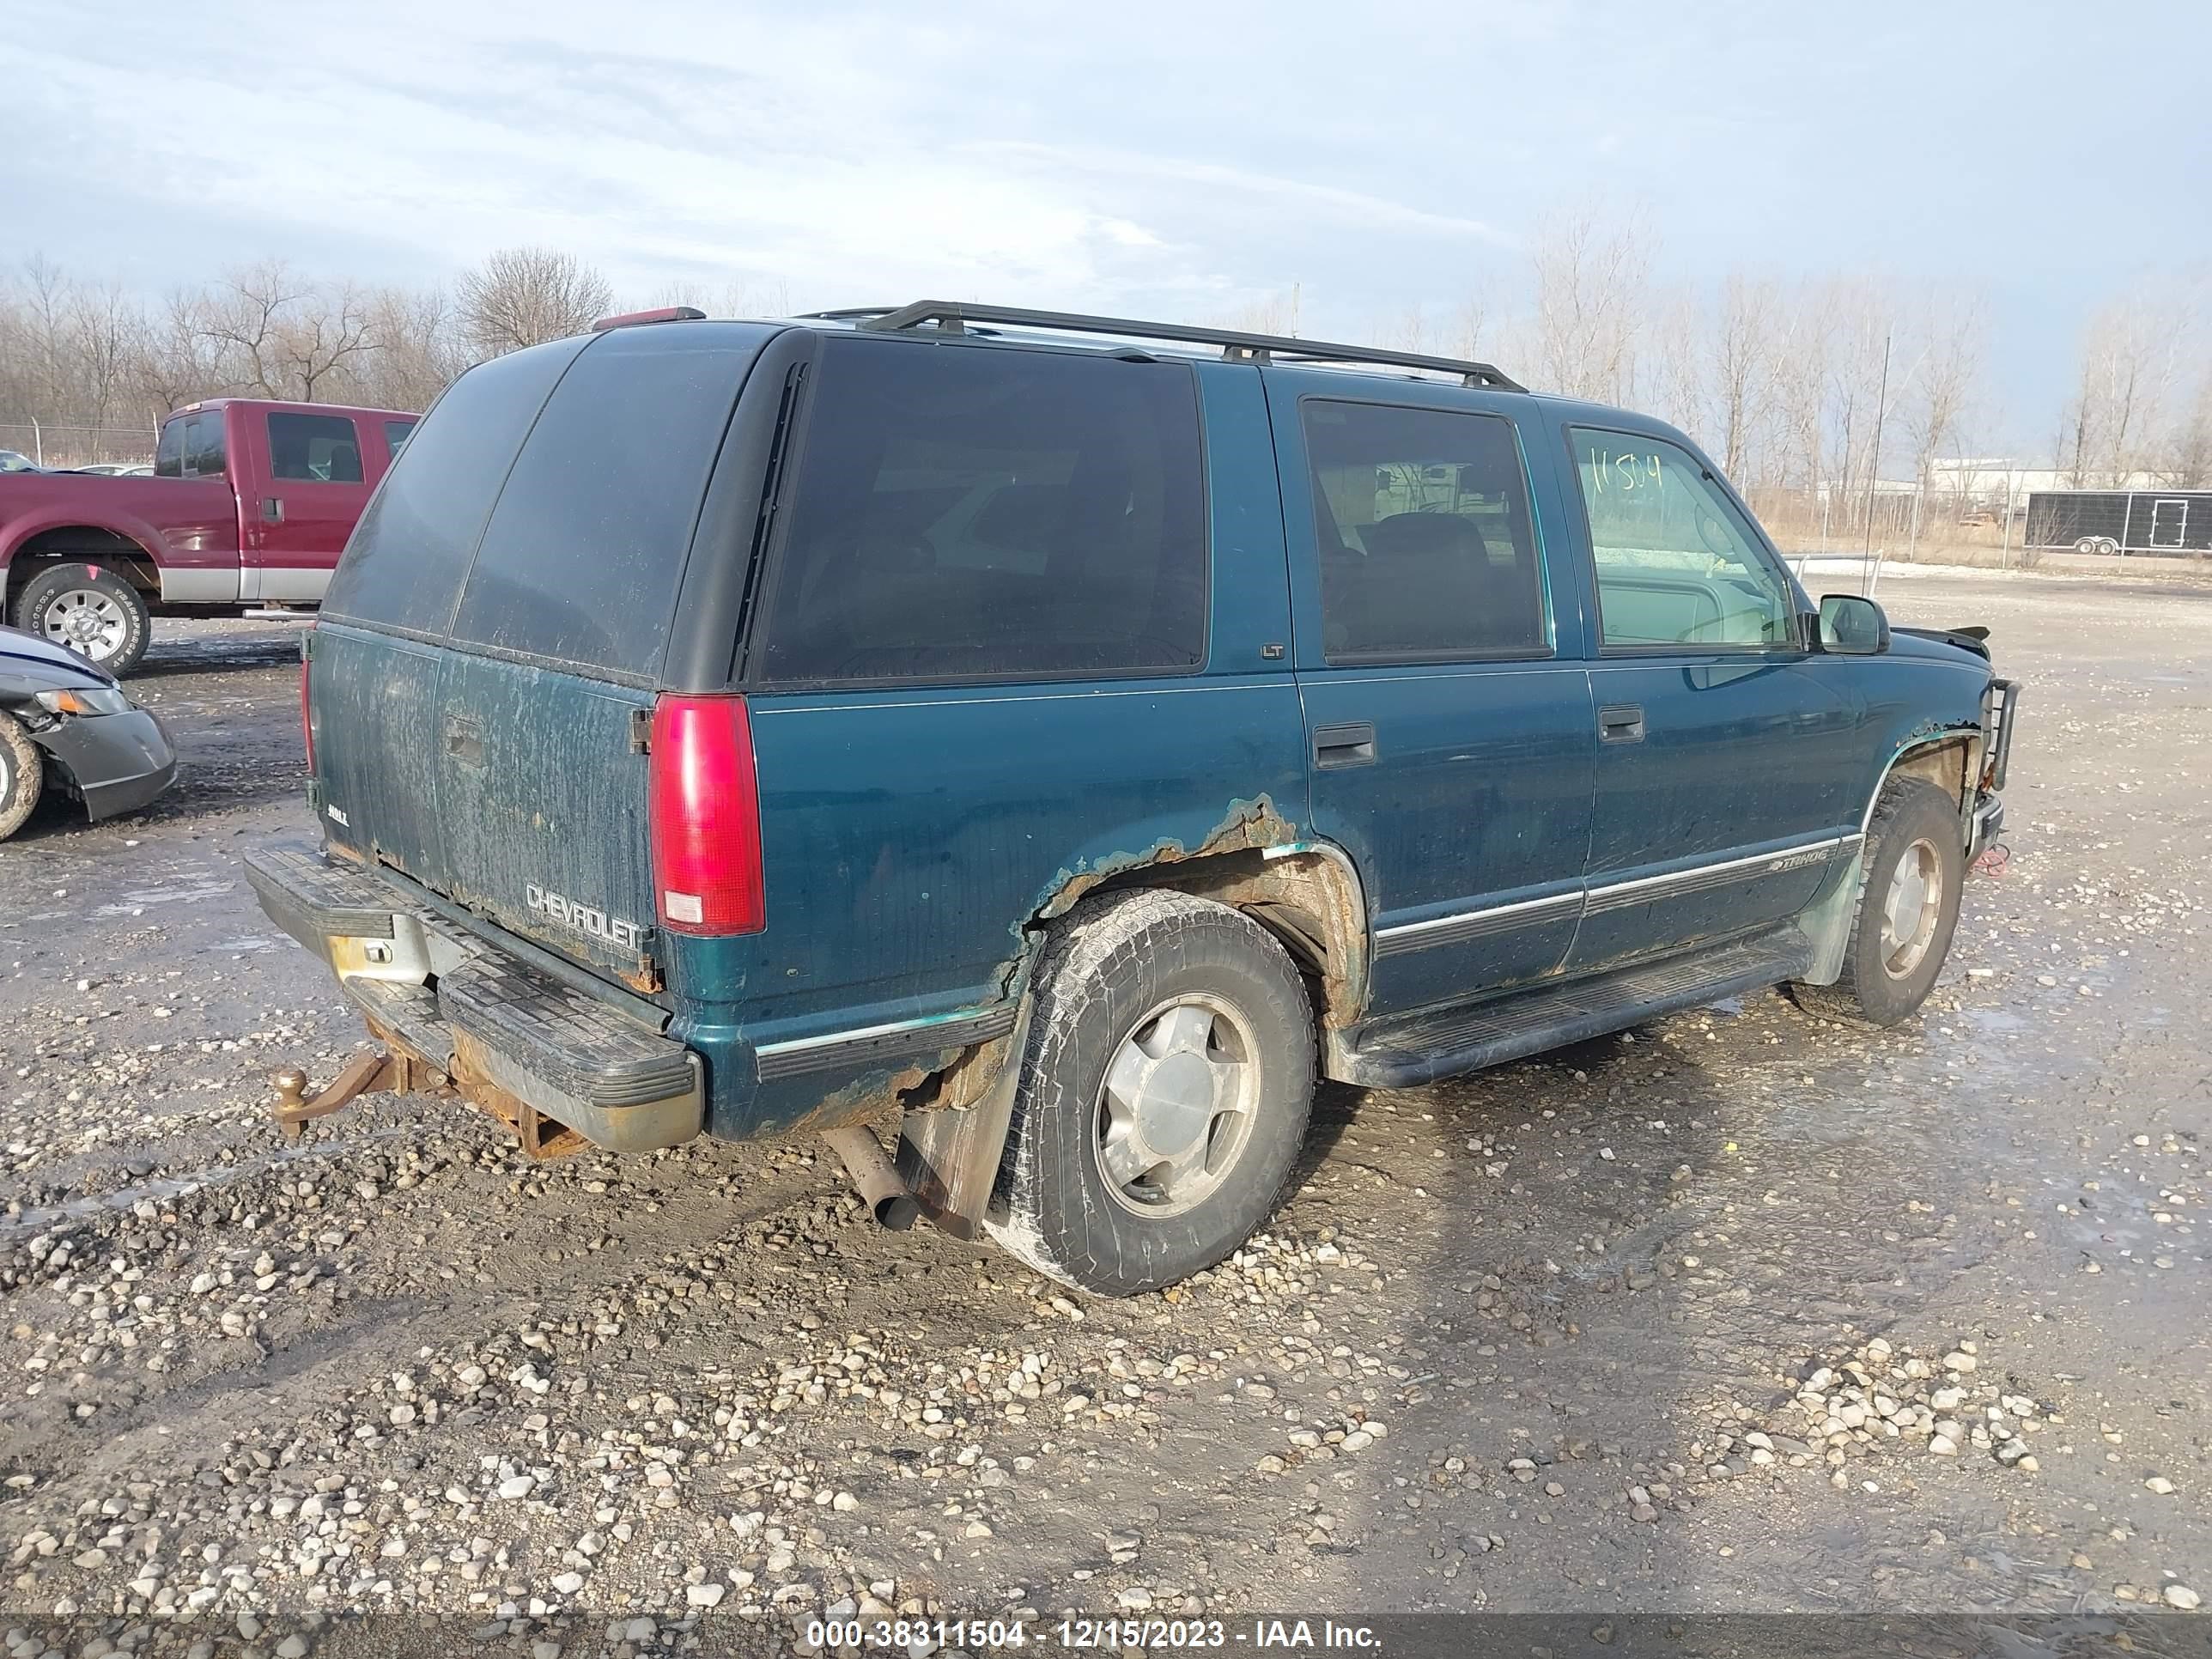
(1537, 1339)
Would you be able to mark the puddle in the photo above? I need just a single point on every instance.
(132, 904)
(163, 1188)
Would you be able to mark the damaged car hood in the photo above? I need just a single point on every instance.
(29, 657)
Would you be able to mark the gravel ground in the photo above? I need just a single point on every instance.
(1737, 1312)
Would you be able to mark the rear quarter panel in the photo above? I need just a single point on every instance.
(184, 525)
(911, 837)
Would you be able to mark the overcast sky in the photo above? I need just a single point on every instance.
(1174, 160)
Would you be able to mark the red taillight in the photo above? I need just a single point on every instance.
(705, 808)
(307, 701)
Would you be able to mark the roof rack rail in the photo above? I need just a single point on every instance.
(952, 316)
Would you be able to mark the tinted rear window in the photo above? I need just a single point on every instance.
(313, 449)
(411, 551)
(204, 445)
(965, 513)
(1427, 552)
(169, 449)
(582, 557)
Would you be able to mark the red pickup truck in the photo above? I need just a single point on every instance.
(249, 506)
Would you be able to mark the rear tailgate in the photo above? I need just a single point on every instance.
(377, 654)
(555, 642)
(542, 795)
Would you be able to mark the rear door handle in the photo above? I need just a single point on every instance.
(1620, 722)
(272, 509)
(1350, 744)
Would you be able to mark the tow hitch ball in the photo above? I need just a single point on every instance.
(372, 1071)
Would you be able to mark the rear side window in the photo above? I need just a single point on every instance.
(313, 449)
(169, 449)
(964, 512)
(204, 446)
(396, 434)
(1427, 552)
(411, 551)
(584, 553)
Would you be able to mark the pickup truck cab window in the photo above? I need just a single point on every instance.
(1427, 553)
(1677, 565)
(190, 446)
(204, 446)
(313, 449)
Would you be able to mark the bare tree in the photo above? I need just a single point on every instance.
(1799, 386)
(245, 317)
(523, 296)
(1780, 380)
(1945, 380)
(103, 327)
(283, 336)
(416, 352)
(42, 329)
(322, 333)
(1407, 331)
(2130, 363)
(2190, 466)
(1589, 302)
(1275, 313)
(1472, 323)
(174, 362)
(1673, 377)
(1861, 386)
(1743, 367)
(769, 298)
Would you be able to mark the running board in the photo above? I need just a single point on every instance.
(1399, 1052)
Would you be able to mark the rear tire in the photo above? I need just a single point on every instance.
(1915, 866)
(22, 774)
(1164, 1097)
(92, 610)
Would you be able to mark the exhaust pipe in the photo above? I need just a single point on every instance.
(872, 1176)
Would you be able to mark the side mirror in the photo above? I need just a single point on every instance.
(1852, 626)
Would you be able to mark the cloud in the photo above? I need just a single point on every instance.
(1216, 184)
(747, 147)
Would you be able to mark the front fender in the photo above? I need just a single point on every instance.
(1914, 705)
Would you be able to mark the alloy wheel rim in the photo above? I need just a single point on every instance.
(1911, 909)
(89, 622)
(1175, 1110)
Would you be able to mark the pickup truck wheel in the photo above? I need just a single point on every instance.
(1915, 868)
(23, 772)
(1164, 1097)
(92, 610)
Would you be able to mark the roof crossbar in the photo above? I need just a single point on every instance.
(952, 316)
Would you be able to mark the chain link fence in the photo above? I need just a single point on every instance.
(60, 443)
(1897, 521)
